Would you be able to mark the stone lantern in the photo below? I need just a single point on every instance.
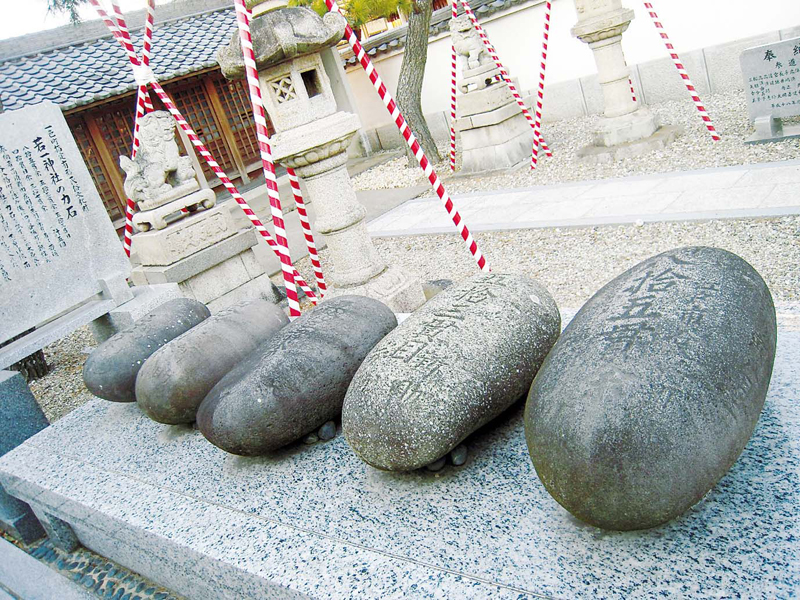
(312, 137)
(625, 129)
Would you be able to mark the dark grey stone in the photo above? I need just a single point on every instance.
(174, 381)
(451, 367)
(20, 418)
(110, 372)
(437, 465)
(296, 380)
(653, 389)
(327, 431)
(459, 455)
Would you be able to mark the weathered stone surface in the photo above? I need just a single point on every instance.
(296, 381)
(654, 388)
(110, 372)
(174, 381)
(451, 367)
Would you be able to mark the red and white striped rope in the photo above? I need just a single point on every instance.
(503, 73)
(226, 182)
(537, 129)
(243, 23)
(453, 65)
(206, 155)
(143, 104)
(682, 72)
(306, 225)
(411, 140)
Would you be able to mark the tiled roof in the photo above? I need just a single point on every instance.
(394, 39)
(80, 74)
(76, 75)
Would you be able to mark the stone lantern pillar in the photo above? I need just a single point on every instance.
(625, 129)
(312, 138)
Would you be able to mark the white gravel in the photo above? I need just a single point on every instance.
(694, 149)
(572, 263)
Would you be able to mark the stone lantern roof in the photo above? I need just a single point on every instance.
(282, 35)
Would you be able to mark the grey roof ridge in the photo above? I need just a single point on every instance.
(108, 34)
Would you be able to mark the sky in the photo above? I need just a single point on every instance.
(26, 16)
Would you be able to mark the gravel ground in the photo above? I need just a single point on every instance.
(573, 263)
(693, 150)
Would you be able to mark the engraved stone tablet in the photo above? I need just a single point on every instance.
(653, 389)
(454, 365)
(56, 241)
(296, 381)
(772, 79)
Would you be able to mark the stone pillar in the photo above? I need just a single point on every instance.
(312, 137)
(625, 129)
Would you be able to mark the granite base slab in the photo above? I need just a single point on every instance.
(314, 521)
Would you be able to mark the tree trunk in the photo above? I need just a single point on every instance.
(412, 72)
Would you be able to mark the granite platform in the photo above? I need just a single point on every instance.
(314, 521)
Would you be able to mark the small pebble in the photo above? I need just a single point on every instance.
(327, 431)
(437, 466)
(311, 438)
(459, 455)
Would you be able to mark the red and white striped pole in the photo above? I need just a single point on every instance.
(537, 129)
(143, 105)
(307, 233)
(633, 92)
(243, 23)
(503, 73)
(682, 72)
(411, 140)
(170, 106)
(453, 93)
(202, 149)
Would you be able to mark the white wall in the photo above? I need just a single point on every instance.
(517, 36)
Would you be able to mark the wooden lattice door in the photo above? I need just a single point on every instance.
(102, 179)
(192, 100)
(235, 99)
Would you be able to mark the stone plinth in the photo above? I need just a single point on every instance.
(601, 24)
(207, 256)
(494, 132)
(163, 502)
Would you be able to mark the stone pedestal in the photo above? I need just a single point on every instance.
(624, 124)
(210, 260)
(494, 133)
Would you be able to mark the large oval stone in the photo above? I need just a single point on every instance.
(653, 389)
(110, 371)
(455, 364)
(174, 381)
(295, 381)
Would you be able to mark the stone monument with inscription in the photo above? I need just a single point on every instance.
(494, 132)
(203, 251)
(61, 265)
(772, 86)
(59, 253)
(625, 129)
(312, 137)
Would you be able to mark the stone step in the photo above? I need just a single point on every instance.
(315, 521)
